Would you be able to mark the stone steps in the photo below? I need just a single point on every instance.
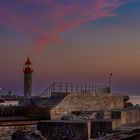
(54, 99)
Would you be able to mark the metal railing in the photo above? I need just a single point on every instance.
(73, 88)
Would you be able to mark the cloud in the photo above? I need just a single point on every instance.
(45, 20)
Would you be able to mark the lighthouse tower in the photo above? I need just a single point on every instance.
(28, 78)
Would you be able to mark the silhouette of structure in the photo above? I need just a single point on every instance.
(58, 87)
(28, 78)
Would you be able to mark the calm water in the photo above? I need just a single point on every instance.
(134, 99)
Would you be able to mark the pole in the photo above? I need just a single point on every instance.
(110, 81)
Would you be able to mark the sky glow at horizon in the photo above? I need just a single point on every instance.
(72, 41)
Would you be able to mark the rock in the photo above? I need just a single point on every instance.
(126, 98)
(27, 135)
(83, 116)
(128, 104)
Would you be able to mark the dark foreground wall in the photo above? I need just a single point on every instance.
(64, 130)
(76, 130)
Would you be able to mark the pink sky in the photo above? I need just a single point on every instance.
(73, 40)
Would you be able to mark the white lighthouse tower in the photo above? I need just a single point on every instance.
(28, 78)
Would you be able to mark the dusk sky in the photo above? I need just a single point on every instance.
(70, 41)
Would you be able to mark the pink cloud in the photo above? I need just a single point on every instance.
(46, 19)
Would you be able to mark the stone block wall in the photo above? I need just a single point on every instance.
(87, 102)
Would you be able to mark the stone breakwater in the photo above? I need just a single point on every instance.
(86, 102)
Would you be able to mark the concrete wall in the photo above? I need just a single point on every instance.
(127, 115)
(130, 116)
(86, 102)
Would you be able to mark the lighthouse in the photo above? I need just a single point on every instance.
(28, 78)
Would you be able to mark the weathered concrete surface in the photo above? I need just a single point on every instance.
(86, 102)
(64, 130)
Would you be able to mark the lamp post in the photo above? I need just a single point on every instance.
(110, 82)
